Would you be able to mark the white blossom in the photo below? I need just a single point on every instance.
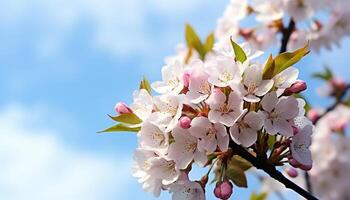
(225, 110)
(185, 149)
(154, 138)
(253, 85)
(278, 113)
(172, 79)
(224, 71)
(210, 136)
(168, 111)
(184, 189)
(244, 131)
(199, 87)
(143, 104)
(285, 79)
(300, 146)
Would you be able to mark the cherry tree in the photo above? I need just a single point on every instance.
(226, 105)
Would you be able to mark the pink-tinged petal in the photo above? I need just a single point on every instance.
(211, 145)
(269, 101)
(301, 105)
(234, 133)
(235, 100)
(252, 75)
(160, 87)
(239, 88)
(264, 87)
(283, 127)
(200, 158)
(216, 98)
(214, 116)
(251, 98)
(228, 120)
(178, 153)
(223, 142)
(254, 120)
(270, 129)
(220, 129)
(245, 136)
(287, 107)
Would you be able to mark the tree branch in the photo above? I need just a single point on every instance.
(338, 101)
(286, 33)
(262, 164)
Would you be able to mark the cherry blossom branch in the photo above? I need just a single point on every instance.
(262, 164)
(286, 33)
(339, 100)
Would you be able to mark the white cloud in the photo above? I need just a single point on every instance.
(36, 165)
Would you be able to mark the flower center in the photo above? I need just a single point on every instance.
(226, 77)
(204, 88)
(225, 108)
(251, 88)
(158, 137)
(173, 82)
(191, 147)
(211, 132)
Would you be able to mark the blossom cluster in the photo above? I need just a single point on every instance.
(322, 22)
(203, 105)
(330, 177)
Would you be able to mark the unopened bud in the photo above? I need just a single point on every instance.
(122, 108)
(186, 79)
(223, 190)
(185, 122)
(291, 172)
(305, 167)
(296, 87)
(294, 162)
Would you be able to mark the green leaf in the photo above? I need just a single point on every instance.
(209, 42)
(121, 128)
(145, 85)
(239, 53)
(326, 75)
(193, 41)
(237, 176)
(271, 141)
(269, 68)
(130, 118)
(239, 162)
(287, 59)
(261, 196)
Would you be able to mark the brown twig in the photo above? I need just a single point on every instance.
(264, 165)
(286, 33)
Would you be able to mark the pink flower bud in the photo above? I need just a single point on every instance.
(291, 172)
(122, 108)
(223, 190)
(297, 87)
(305, 167)
(313, 115)
(294, 162)
(185, 122)
(186, 79)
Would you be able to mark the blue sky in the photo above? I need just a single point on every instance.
(64, 64)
